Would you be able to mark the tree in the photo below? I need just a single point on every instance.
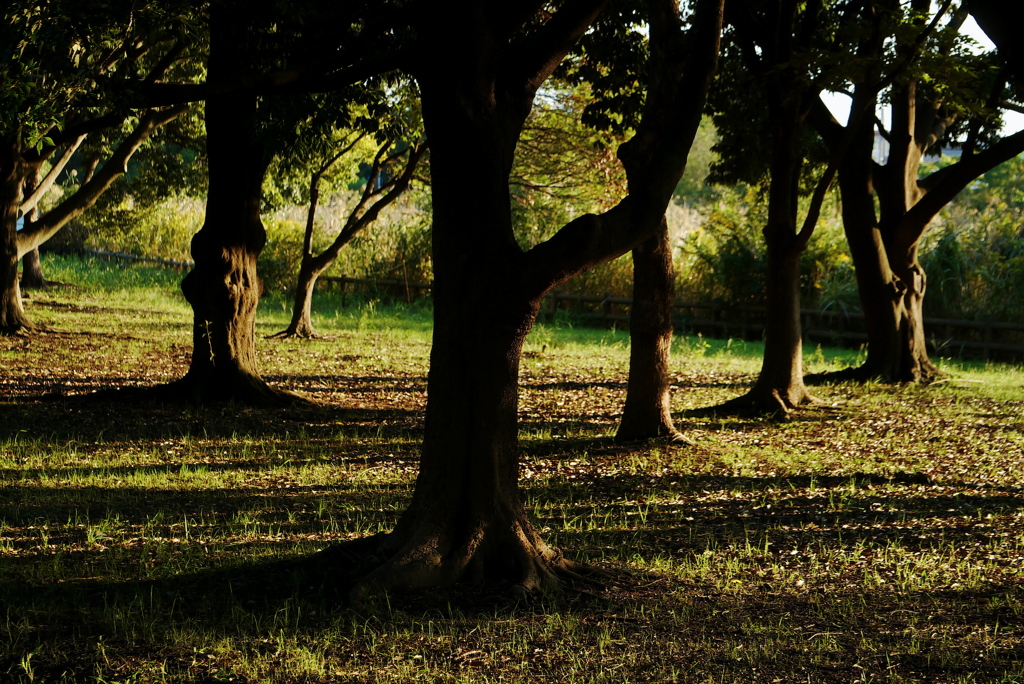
(54, 58)
(769, 44)
(950, 97)
(647, 411)
(478, 75)
(397, 130)
(251, 107)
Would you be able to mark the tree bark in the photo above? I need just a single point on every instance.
(31, 268)
(890, 279)
(13, 175)
(780, 387)
(32, 271)
(879, 288)
(647, 411)
(223, 287)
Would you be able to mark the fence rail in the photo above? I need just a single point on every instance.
(948, 337)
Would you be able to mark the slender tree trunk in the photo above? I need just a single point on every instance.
(647, 412)
(780, 385)
(301, 324)
(365, 212)
(32, 271)
(31, 268)
(13, 176)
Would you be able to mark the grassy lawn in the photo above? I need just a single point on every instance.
(878, 537)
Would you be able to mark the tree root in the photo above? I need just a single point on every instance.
(369, 568)
(657, 431)
(762, 404)
(864, 374)
(295, 335)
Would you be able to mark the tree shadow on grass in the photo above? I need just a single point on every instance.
(86, 419)
(250, 589)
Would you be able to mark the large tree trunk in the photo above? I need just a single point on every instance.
(647, 411)
(879, 288)
(13, 175)
(466, 518)
(915, 365)
(223, 287)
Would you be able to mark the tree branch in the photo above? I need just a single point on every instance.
(656, 156)
(42, 188)
(943, 185)
(557, 37)
(43, 229)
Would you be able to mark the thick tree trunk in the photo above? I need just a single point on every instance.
(223, 287)
(647, 411)
(880, 290)
(915, 365)
(466, 519)
(13, 176)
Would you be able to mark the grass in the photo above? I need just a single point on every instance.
(877, 538)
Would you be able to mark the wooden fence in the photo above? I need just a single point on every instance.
(988, 340)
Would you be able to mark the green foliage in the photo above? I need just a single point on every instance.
(161, 231)
(563, 167)
(724, 260)
(278, 263)
(974, 258)
(56, 59)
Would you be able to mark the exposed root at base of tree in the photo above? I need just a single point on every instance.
(663, 434)
(771, 404)
(368, 567)
(864, 374)
(297, 335)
